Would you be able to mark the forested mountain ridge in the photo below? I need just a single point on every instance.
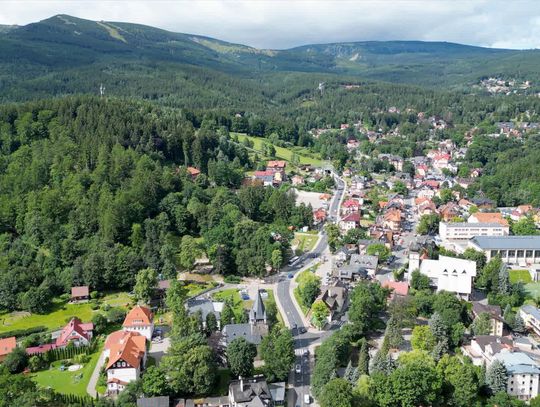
(64, 54)
(93, 190)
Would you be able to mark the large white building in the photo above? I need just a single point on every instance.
(450, 274)
(521, 250)
(466, 231)
(140, 319)
(531, 317)
(523, 374)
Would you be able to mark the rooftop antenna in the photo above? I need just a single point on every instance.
(101, 90)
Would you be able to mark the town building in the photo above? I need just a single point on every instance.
(523, 374)
(126, 353)
(351, 221)
(531, 318)
(466, 231)
(334, 297)
(253, 331)
(6, 347)
(205, 307)
(253, 391)
(450, 274)
(488, 217)
(140, 319)
(521, 250)
(495, 316)
(75, 333)
(81, 293)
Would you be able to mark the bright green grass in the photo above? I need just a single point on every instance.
(66, 382)
(282, 152)
(59, 314)
(520, 275)
(305, 242)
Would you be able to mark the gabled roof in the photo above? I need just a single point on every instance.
(127, 346)
(488, 217)
(138, 316)
(193, 171)
(398, 287)
(276, 164)
(493, 310)
(82, 291)
(74, 326)
(393, 215)
(351, 203)
(352, 217)
(7, 345)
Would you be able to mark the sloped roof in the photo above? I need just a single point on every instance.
(75, 325)
(138, 316)
(257, 312)
(82, 291)
(352, 217)
(7, 345)
(489, 217)
(127, 346)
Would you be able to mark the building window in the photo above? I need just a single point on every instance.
(537, 253)
(520, 253)
(511, 253)
(493, 253)
(529, 253)
(503, 253)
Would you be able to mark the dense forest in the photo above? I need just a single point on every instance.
(93, 190)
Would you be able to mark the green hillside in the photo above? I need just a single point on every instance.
(64, 55)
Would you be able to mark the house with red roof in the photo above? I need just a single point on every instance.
(278, 165)
(350, 221)
(141, 320)
(399, 288)
(81, 293)
(392, 219)
(75, 332)
(350, 206)
(319, 216)
(6, 347)
(126, 353)
(37, 350)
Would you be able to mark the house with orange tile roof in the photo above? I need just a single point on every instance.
(126, 357)
(488, 217)
(81, 293)
(76, 333)
(350, 206)
(193, 172)
(6, 346)
(399, 288)
(141, 320)
(278, 165)
(392, 219)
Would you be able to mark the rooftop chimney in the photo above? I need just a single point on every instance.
(241, 383)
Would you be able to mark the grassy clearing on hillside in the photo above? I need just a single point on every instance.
(283, 153)
(520, 275)
(305, 242)
(59, 313)
(533, 290)
(67, 382)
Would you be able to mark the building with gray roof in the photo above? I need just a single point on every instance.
(523, 374)
(511, 249)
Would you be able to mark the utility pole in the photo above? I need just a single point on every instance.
(101, 90)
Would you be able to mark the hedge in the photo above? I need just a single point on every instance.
(23, 332)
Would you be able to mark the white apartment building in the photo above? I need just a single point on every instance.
(466, 231)
(523, 374)
(450, 274)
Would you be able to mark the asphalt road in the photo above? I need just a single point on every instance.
(301, 381)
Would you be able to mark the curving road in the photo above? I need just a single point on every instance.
(292, 315)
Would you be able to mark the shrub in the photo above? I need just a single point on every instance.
(232, 279)
(65, 297)
(23, 332)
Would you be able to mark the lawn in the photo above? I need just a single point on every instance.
(59, 314)
(305, 242)
(533, 290)
(283, 153)
(67, 382)
(520, 275)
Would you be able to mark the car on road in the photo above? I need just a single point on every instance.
(290, 275)
(306, 352)
(298, 369)
(302, 330)
(307, 399)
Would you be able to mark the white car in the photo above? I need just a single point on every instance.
(307, 399)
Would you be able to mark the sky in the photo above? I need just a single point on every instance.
(282, 24)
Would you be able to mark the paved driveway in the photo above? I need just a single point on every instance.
(91, 387)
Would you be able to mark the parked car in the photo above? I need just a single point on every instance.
(298, 369)
(302, 330)
(307, 399)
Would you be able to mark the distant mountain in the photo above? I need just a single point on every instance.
(64, 54)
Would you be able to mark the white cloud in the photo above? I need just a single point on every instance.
(282, 24)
